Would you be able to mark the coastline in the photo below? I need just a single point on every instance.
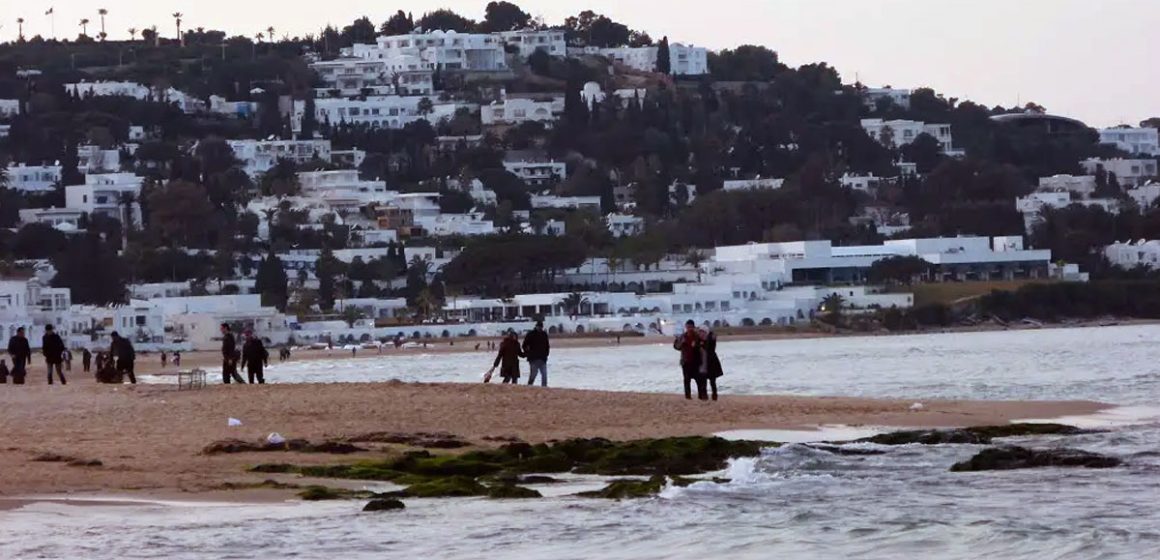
(149, 440)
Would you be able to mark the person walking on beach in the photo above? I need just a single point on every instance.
(711, 364)
(53, 349)
(67, 360)
(177, 359)
(164, 359)
(255, 358)
(508, 359)
(21, 354)
(122, 354)
(230, 357)
(536, 348)
(3, 372)
(689, 345)
(86, 359)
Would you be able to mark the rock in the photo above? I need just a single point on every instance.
(384, 504)
(320, 493)
(537, 479)
(629, 489)
(53, 458)
(274, 468)
(981, 435)
(85, 463)
(449, 487)
(299, 445)
(1011, 458)
(443, 444)
(511, 492)
(334, 447)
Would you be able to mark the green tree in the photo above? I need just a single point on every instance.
(398, 24)
(89, 268)
(832, 307)
(329, 271)
(309, 118)
(898, 270)
(574, 303)
(181, 214)
(272, 282)
(446, 20)
(504, 16)
(664, 57)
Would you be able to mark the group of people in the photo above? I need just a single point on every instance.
(116, 364)
(535, 349)
(699, 361)
(253, 356)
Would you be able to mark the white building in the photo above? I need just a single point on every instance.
(758, 184)
(1145, 196)
(1143, 253)
(343, 182)
(402, 75)
(528, 41)
(384, 111)
(239, 109)
(108, 194)
(63, 219)
(446, 50)
(33, 178)
(137, 91)
(900, 97)
(9, 108)
(197, 319)
(624, 225)
(1136, 141)
(27, 303)
(514, 110)
(903, 132)
(566, 202)
(686, 60)
(1083, 186)
(866, 183)
(93, 159)
(259, 156)
(1033, 205)
(469, 224)
(535, 169)
(1128, 172)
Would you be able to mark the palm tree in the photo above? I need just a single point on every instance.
(132, 34)
(103, 12)
(20, 25)
(832, 306)
(614, 264)
(695, 259)
(426, 302)
(270, 33)
(426, 106)
(177, 18)
(574, 303)
(85, 27)
(419, 266)
(126, 201)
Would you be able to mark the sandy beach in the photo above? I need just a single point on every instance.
(149, 439)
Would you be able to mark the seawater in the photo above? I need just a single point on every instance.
(791, 502)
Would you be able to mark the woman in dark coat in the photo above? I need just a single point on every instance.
(712, 364)
(508, 358)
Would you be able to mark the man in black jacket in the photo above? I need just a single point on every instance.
(230, 357)
(255, 358)
(537, 348)
(21, 354)
(123, 353)
(53, 349)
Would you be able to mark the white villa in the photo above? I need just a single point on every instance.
(900, 97)
(514, 110)
(535, 169)
(1143, 141)
(33, 178)
(903, 132)
(1083, 186)
(1032, 205)
(686, 60)
(1130, 255)
(259, 156)
(383, 111)
(108, 194)
(758, 184)
(528, 41)
(446, 50)
(1128, 172)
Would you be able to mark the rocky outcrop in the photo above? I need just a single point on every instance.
(629, 489)
(978, 436)
(1011, 458)
(422, 439)
(511, 492)
(299, 445)
(384, 504)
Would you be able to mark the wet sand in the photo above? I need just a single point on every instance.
(149, 439)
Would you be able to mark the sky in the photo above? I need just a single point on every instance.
(1095, 60)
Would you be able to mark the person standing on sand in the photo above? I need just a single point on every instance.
(711, 363)
(21, 354)
(536, 348)
(230, 357)
(508, 358)
(53, 349)
(689, 344)
(67, 356)
(164, 359)
(86, 359)
(177, 359)
(3, 372)
(255, 358)
(122, 354)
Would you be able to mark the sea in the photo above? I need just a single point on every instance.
(792, 502)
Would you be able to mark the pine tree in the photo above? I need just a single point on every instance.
(272, 282)
(309, 119)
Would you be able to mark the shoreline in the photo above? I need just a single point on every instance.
(148, 441)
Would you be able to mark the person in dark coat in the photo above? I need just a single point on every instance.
(711, 366)
(230, 357)
(86, 359)
(508, 358)
(255, 358)
(21, 354)
(53, 349)
(536, 348)
(121, 353)
(689, 345)
(3, 372)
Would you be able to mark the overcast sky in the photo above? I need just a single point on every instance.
(1096, 60)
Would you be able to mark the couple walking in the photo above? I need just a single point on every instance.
(253, 356)
(535, 348)
(51, 345)
(699, 361)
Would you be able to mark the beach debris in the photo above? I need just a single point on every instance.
(233, 422)
(981, 435)
(384, 504)
(275, 439)
(1013, 457)
(917, 406)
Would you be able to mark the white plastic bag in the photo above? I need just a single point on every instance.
(234, 422)
(275, 439)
